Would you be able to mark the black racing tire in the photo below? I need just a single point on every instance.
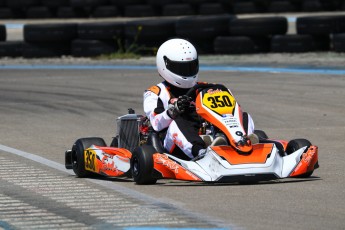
(296, 144)
(142, 165)
(11, 49)
(205, 27)
(45, 50)
(177, 10)
(92, 48)
(105, 12)
(245, 7)
(53, 4)
(149, 31)
(6, 13)
(211, 9)
(261, 134)
(123, 3)
(261, 26)
(338, 42)
(70, 12)
(101, 31)
(292, 43)
(139, 11)
(64, 32)
(87, 3)
(241, 45)
(320, 25)
(39, 12)
(78, 148)
(20, 4)
(162, 3)
(281, 6)
(196, 3)
(3, 33)
(311, 6)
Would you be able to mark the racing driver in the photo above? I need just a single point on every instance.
(167, 106)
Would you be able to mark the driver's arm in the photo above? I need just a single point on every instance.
(155, 111)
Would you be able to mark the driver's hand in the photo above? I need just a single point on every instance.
(179, 106)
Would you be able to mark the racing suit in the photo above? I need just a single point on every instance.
(182, 133)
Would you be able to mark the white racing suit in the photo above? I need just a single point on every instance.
(182, 133)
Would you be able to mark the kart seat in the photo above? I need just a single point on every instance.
(155, 140)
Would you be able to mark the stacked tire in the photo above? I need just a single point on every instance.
(145, 36)
(95, 39)
(326, 31)
(48, 40)
(203, 30)
(250, 35)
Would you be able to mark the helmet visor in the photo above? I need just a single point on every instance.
(182, 68)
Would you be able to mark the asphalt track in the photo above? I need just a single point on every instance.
(43, 111)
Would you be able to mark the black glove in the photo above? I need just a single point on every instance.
(182, 103)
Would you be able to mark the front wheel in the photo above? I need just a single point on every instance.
(142, 165)
(78, 162)
(261, 134)
(295, 145)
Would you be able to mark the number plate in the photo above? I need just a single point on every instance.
(90, 160)
(221, 102)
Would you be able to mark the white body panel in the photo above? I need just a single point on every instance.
(213, 168)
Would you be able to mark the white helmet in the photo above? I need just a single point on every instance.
(177, 62)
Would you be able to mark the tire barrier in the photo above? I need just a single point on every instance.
(263, 26)
(92, 48)
(108, 31)
(318, 25)
(45, 50)
(11, 49)
(177, 9)
(149, 32)
(63, 32)
(338, 42)
(241, 45)
(142, 8)
(202, 30)
(2, 33)
(299, 43)
(211, 34)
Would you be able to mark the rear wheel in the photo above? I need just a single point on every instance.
(78, 148)
(142, 165)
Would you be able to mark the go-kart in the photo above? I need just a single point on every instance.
(231, 156)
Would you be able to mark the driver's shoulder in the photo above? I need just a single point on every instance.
(154, 89)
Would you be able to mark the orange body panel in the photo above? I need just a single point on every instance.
(213, 120)
(307, 163)
(170, 169)
(258, 155)
(105, 164)
(117, 151)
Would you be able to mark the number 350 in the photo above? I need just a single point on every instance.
(220, 101)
